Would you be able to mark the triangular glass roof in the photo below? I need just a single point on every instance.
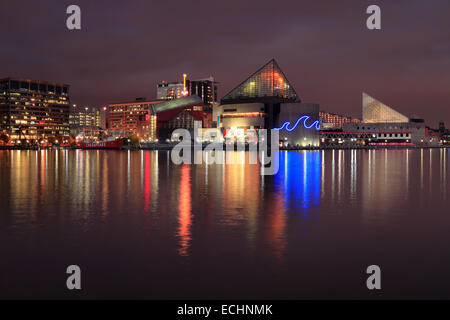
(269, 81)
(377, 111)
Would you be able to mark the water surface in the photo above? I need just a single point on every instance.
(142, 227)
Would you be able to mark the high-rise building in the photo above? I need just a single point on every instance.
(34, 109)
(204, 88)
(169, 90)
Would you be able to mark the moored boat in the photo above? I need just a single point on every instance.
(110, 143)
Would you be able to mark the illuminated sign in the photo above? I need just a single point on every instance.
(305, 119)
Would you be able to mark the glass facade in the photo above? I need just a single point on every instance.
(375, 111)
(269, 81)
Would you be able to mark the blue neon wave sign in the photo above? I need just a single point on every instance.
(305, 124)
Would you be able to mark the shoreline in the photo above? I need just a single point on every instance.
(168, 147)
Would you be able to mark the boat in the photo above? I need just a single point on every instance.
(110, 143)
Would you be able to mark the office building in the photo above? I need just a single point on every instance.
(34, 109)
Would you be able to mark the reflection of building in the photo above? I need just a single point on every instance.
(32, 109)
(266, 100)
(383, 125)
(332, 120)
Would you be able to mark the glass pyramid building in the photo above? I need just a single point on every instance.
(375, 111)
(267, 83)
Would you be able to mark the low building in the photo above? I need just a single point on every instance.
(384, 126)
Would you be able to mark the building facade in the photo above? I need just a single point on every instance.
(167, 116)
(125, 117)
(266, 100)
(169, 90)
(89, 120)
(34, 109)
(384, 126)
(334, 121)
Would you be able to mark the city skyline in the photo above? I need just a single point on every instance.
(124, 50)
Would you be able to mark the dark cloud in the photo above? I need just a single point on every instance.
(126, 47)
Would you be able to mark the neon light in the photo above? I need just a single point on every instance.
(304, 118)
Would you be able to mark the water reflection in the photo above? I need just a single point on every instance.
(184, 207)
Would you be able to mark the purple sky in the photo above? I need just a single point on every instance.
(323, 46)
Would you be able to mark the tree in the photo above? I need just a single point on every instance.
(4, 138)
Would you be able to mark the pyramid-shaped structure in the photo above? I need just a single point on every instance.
(267, 82)
(376, 111)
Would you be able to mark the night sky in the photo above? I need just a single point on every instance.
(324, 48)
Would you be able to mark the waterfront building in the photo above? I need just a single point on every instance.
(155, 120)
(206, 89)
(384, 126)
(124, 117)
(89, 123)
(266, 100)
(34, 109)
